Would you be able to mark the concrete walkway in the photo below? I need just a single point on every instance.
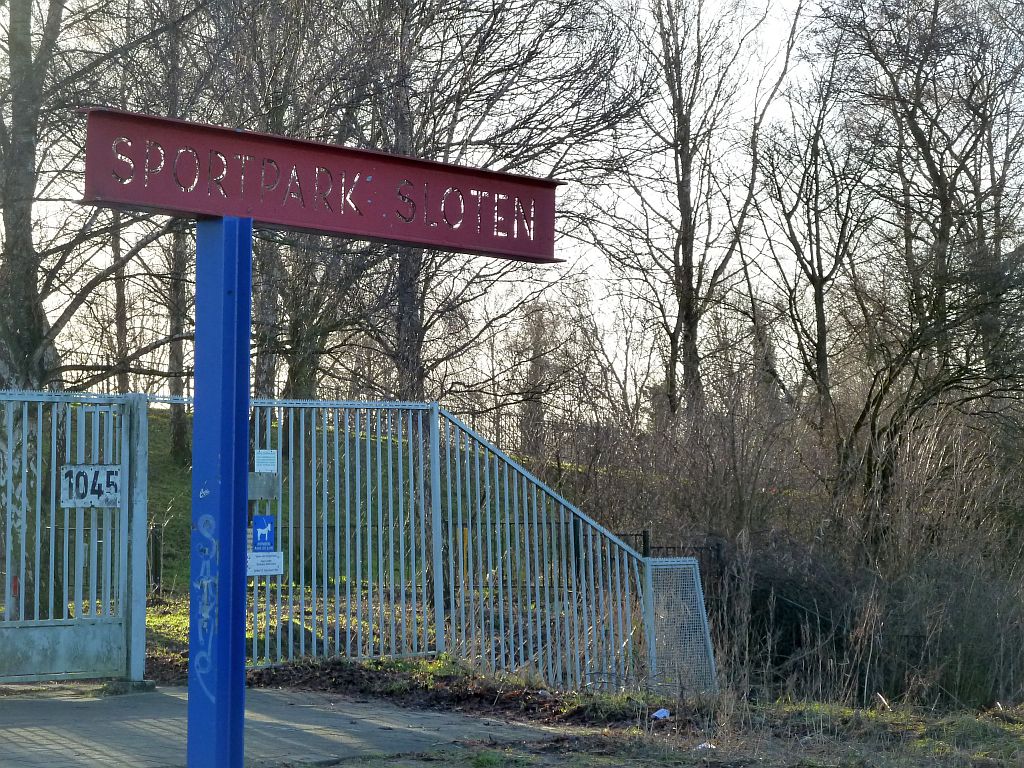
(282, 728)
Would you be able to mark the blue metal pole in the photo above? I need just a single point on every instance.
(216, 675)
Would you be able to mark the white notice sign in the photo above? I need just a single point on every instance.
(264, 563)
(266, 461)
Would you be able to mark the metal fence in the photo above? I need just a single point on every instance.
(355, 528)
(405, 532)
(532, 582)
(72, 500)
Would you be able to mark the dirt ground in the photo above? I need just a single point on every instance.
(618, 730)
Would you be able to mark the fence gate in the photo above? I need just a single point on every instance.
(72, 536)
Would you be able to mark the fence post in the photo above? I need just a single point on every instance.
(435, 525)
(138, 512)
(652, 655)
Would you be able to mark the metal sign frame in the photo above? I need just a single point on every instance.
(169, 166)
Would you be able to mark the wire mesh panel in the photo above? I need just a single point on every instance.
(682, 660)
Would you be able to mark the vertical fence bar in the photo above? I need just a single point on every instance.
(348, 543)
(421, 442)
(278, 521)
(557, 591)
(291, 530)
(325, 522)
(404, 445)
(572, 660)
(94, 458)
(478, 514)
(380, 531)
(268, 510)
(411, 476)
(117, 418)
(393, 638)
(520, 573)
(9, 506)
(563, 596)
(462, 549)
(448, 434)
(132, 579)
(630, 617)
(538, 578)
(652, 655)
(55, 482)
(506, 559)
(435, 527)
(369, 535)
(620, 642)
(302, 532)
(337, 533)
(38, 531)
(313, 509)
(495, 568)
(23, 512)
(595, 636)
(607, 639)
(613, 640)
(80, 564)
(634, 591)
(65, 571)
(357, 449)
(583, 557)
(255, 579)
(574, 569)
(473, 635)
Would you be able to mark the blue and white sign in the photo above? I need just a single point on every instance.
(263, 538)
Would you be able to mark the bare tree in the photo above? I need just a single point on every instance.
(815, 198)
(460, 86)
(677, 212)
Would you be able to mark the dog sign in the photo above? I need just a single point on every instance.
(263, 538)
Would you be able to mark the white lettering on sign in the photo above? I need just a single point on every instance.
(264, 563)
(90, 485)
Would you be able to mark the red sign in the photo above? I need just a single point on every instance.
(175, 167)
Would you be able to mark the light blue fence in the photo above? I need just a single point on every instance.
(403, 533)
(406, 533)
(72, 535)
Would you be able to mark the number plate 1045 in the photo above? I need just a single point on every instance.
(90, 485)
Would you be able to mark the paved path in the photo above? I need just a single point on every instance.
(282, 728)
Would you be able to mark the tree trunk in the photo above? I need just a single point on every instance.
(23, 361)
(177, 311)
(120, 309)
(266, 310)
(409, 326)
